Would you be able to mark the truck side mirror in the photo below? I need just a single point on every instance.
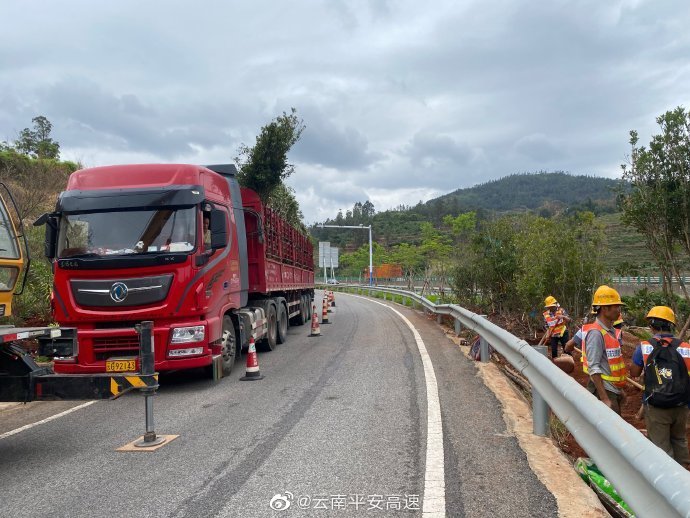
(218, 226)
(50, 244)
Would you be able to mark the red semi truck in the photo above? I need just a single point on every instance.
(182, 245)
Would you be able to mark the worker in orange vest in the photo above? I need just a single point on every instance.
(602, 355)
(576, 340)
(666, 424)
(556, 319)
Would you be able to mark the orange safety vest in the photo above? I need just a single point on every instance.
(619, 334)
(614, 355)
(555, 321)
(683, 349)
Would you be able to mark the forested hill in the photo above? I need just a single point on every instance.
(544, 193)
(533, 191)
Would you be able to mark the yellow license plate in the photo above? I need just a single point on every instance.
(120, 366)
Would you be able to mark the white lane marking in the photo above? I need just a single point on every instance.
(434, 504)
(46, 420)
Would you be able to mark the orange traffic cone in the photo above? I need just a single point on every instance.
(327, 301)
(324, 314)
(331, 298)
(315, 327)
(252, 373)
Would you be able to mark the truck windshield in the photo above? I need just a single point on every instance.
(129, 232)
(8, 239)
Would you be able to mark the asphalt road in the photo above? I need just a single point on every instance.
(338, 427)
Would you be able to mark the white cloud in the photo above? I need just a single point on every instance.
(402, 100)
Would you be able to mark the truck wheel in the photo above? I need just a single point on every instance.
(228, 345)
(269, 343)
(309, 308)
(302, 317)
(282, 324)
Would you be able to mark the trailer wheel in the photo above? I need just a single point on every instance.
(228, 345)
(302, 317)
(269, 343)
(282, 324)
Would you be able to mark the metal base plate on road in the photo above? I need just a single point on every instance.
(132, 446)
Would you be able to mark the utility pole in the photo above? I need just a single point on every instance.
(371, 247)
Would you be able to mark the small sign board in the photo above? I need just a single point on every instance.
(324, 253)
(334, 258)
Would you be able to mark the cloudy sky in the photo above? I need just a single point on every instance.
(402, 100)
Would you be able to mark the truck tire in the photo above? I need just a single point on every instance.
(282, 323)
(228, 345)
(269, 343)
(302, 317)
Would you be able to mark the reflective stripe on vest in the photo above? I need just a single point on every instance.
(553, 322)
(614, 355)
(683, 349)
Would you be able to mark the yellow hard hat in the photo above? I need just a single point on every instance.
(550, 301)
(662, 312)
(606, 296)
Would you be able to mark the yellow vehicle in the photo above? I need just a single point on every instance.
(21, 378)
(13, 259)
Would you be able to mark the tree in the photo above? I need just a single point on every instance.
(37, 143)
(368, 210)
(568, 272)
(436, 248)
(409, 258)
(354, 263)
(264, 166)
(510, 263)
(282, 200)
(657, 204)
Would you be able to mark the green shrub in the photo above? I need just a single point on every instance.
(637, 306)
(32, 307)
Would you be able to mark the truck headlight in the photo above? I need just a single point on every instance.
(186, 335)
(193, 351)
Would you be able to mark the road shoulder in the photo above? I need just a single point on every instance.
(549, 464)
(538, 479)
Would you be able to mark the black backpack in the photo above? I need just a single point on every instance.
(666, 380)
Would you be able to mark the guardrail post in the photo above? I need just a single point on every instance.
(483, 350)
(458, 327)
(146, 366)
(385, 296)
(439, 319)
(540, 410)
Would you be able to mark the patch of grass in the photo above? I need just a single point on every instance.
(559, 432)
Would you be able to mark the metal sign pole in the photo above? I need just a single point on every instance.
(371, 260)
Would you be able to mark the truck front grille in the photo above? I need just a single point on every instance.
(109, 347)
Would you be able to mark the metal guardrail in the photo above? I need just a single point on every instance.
(650, 481)
(644, 280)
